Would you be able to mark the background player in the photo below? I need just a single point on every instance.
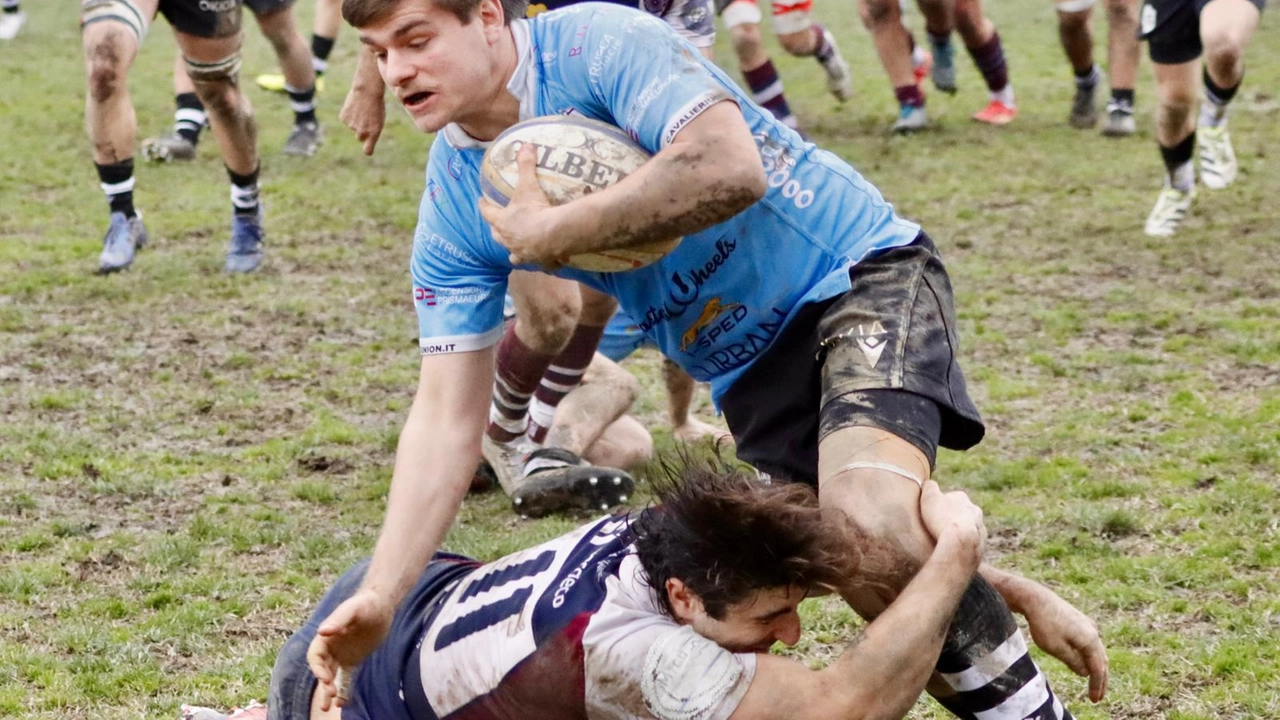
(208, 35)
(324, 34)
(1178, 32)
(1123, 52)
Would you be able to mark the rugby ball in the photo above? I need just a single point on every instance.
(576, 157)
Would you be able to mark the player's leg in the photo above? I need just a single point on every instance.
(111, 32)
(1123, 53)
(213, 63)
(546, 313)
(328, 19)
(280, 26)
(592, 420)
(1076, 36)
(189, 119)
(569, 366)
(984, 46)
(939, 22)
(685, 427)
(1226, 26)
(1173, 41)
(742, 21)
(802, 37)
(892, 392)
(883, 19)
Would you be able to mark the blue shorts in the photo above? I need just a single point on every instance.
(377, 683)
(621, 338)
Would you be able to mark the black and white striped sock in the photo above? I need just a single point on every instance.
(189, 117)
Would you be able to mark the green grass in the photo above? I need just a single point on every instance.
(187, 459)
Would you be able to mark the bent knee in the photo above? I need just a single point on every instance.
(876, 13)
(107, 56)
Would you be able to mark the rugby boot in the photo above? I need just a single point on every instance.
(274, 82)
(244, 252)
(168, 148)
(839, 76)
(1084, 108)
(1170, 210)
(996, 113)
(557, 480)
(506, 459)
(1120, 122)
(124, 236)
(1218, 166)
(10, 24)
(911, 118)
(304, 139)
(944, 67)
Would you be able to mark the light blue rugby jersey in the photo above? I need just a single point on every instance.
(717, 301)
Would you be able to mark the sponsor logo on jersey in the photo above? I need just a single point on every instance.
(455, 167)
(871, 341)
(690, 111)
(434, 191)
(435, 348)
(687, 286)
(605, 53)
(779, 166)
(442, 247)
(717, 318)
(747, 347)
(431, 297)
(219, 6)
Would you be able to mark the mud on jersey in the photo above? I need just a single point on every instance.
(717, 301)
(570, 629)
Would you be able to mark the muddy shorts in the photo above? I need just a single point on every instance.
(881, 355)
(379, 683)
(1172, 29)
(203, 18)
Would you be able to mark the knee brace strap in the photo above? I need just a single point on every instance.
(120, 11)
(741, 12)
(227, 68)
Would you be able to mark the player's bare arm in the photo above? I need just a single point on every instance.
(364, 110)
(1057, 627)
(710, 172)
(437, 454)
(883, 674)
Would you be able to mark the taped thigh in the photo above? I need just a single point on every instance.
(227, 68)
(792, 16)
(741, 12)
(1073, 6)
(117, 11)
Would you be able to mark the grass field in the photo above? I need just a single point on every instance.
(187, 459)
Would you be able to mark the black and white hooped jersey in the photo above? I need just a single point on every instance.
(570, 629)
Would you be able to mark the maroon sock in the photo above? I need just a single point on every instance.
(990, 61)
(517, 372)
(563, 375)
(909, 95)
(766, 90)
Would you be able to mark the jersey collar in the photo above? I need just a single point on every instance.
(521, 87)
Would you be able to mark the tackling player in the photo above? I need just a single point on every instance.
(622, 618)
(208, 34)
(1178, 32)
(836, 362)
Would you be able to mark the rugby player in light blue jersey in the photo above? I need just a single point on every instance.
(822, 319)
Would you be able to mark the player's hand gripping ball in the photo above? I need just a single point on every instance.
(576, 157)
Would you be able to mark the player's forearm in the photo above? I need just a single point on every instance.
(705, 176)
(367, 80)
(433, 468)
(883, 674)
(1016, 590)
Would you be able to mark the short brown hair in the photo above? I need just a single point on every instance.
(727, 535)
(362, 13)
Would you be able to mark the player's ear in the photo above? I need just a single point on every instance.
(491, 15)
(685, 603)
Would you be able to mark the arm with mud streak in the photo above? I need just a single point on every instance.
(709, 172)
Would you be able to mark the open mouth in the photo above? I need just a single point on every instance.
(416, 99)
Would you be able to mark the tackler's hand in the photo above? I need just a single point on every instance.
(525, 225)
(351, 632)
(1069, 635)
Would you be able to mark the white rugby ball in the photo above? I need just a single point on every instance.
(576, 157)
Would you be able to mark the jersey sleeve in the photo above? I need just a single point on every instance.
(652, 82)
(688, 677)
(457, 291)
